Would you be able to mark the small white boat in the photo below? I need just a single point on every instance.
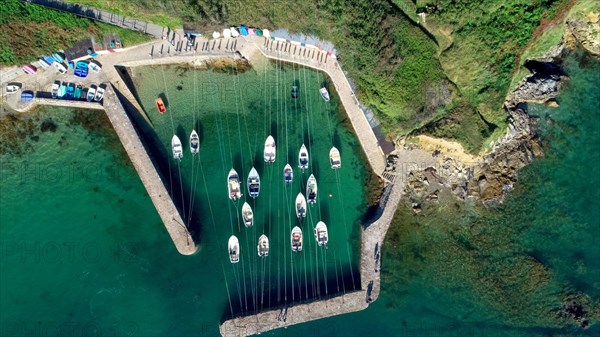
(194, 142)
(233, 248)
(296, 239)
(334, 158)
(303, 158)
(324, 94)
(234, 32)
(226, 33)
(91, 93)
(263, 246)
(60, 67)
(247, 215)
(269, 150)
(54, 89)
(176, 146)
(11, 88)
(288, 174)
(311, 189)
(321, 234)
(216, 35)
(233, 185)
(95, 66)
(253, 183)
(300, 206)
(99, 94)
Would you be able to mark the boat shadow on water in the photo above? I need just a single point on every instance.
(273, 131)
(307, 140)
(199, 127)
(337, 142)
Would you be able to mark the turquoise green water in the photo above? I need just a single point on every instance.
(84, 252)
(233, 115)
(463, 271)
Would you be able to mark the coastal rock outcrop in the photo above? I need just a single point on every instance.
(585, 31)
(494, 173)
(576, 308)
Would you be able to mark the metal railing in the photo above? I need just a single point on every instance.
(100, 15)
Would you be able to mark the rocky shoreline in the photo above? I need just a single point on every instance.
(491, 176)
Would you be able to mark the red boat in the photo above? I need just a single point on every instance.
(160, 105)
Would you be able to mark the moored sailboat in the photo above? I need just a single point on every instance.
(288, 174)
(263, 246)
(247, 215)
(269, 153)
(233, 247)
(176, 146)
(194, 142)
(300, 206)
(311, 189)
(321, 234)
(253, 183)
(303, 158)
(233, 185)
(296, 239)
(334, 158)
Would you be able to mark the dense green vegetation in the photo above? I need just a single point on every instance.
(147, 10)
(486, 41)
(401, 71)
(31, 31)
(446, 76)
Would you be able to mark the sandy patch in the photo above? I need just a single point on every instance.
(446, 148)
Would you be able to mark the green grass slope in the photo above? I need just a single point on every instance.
(446, 76)
(30, 31)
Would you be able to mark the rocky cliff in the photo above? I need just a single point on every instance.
(492, 175)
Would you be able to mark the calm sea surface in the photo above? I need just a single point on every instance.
(84, 253)
(83, 247)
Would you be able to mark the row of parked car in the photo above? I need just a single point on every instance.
(74, 91)
(58, 61)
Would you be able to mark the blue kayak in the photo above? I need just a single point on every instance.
(243, 30)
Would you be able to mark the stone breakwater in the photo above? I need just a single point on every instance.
(372, 239)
